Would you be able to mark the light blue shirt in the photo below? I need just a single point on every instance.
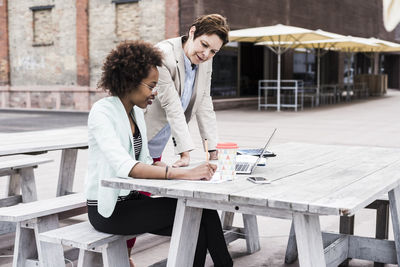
(160, 140)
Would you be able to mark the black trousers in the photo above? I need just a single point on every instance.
(144, 214)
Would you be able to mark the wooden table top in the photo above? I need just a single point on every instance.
(319, 179)
(42, 141)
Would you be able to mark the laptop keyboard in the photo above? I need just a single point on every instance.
(242, 166)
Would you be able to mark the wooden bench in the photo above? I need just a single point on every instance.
(36, 217)
(346, 226)
(21, 179)
(21, 184)
(95, 248)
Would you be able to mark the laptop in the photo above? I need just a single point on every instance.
(248, 167)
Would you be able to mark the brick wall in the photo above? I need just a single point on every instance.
(42, 65)
(105, 34)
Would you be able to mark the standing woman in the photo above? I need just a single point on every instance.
(118, 147)
(184, 89)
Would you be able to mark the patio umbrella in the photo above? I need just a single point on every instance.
(391, 14)
(277, 35)
(337, 42)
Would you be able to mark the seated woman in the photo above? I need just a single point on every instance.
(118, 147)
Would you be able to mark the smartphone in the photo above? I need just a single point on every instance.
(258, 180)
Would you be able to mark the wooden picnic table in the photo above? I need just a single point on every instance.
(68, 140)
(307, 181)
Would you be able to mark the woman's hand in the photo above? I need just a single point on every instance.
(160, 164)
(214, 155)
(203, 172)
(184, 161)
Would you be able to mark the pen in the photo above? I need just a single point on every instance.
(206, 147)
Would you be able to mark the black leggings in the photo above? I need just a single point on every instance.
(145, 214)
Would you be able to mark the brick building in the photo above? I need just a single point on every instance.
(51, 51)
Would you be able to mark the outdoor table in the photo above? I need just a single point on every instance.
(69, 140)
(307, 181)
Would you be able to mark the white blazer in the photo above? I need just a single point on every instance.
(167, 107)
(111, 150)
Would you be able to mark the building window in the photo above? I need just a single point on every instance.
(127, 20)
(43, 33)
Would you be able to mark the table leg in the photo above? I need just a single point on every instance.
(184, 235)
(28, 185)
(67, 171)
(291, 249)
(394, 200)
(251, 230)
(309, 240)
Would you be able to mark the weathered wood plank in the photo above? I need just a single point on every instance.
(370, 249)
(116, 254)
(394, 199)
(89, 258)
(28, 185)
(67, 171)
(309, 240)
(362, 192)
(49, 254)
(184, 235)
(41, 141)
(41, 208)
(291, 249)
(80, 235)
(246, 209)
(337, 252)
(7, 163)
(251, 230)
(25, 245)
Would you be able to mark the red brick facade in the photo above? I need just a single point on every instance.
(82, 42)
(171, 18)
(4, 57)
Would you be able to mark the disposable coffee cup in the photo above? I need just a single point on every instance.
(227, 160)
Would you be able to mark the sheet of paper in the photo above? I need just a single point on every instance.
(214, 180)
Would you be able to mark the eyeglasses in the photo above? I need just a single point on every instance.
(153, 89)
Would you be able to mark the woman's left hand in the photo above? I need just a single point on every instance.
(214, 155)
(160, 164)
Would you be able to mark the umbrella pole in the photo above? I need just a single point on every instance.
(278, 101)
(318, 75)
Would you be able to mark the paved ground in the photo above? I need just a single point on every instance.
(372, 122)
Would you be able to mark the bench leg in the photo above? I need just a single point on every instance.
(291, 250)
(394, 200)
(115, 254)
(346, 226)
(89, 258)
(25, 245)
(67, 171)
(251, 230)
(49, 254)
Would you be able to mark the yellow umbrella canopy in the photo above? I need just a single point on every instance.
(344, 43)
(385, 46)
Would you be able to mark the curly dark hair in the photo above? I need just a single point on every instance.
(127, 65)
